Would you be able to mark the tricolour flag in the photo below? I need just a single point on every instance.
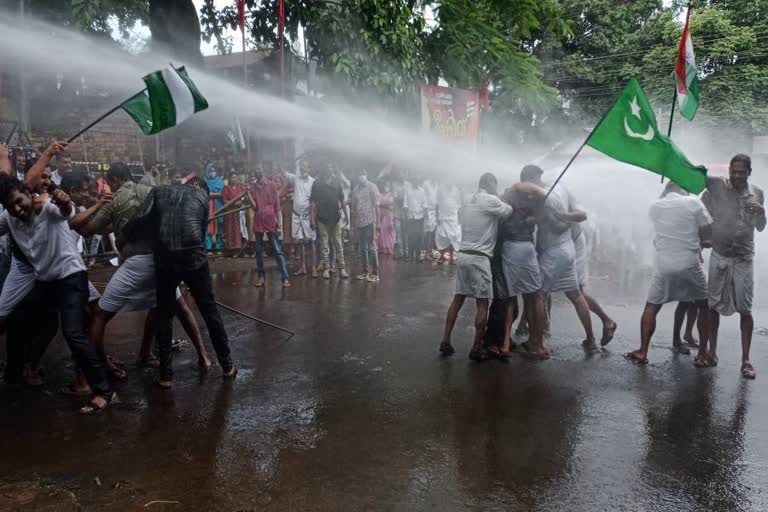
(628, 132)
(169, 99)
(241, 15)
(686, 76)
(235, 136)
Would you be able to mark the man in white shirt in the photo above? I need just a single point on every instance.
(303, 233)
(41, 231)
(479, 225)
(448, 234)
(678, 276)
(63, 167)
(415, 205)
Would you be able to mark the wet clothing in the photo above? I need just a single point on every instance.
(277, 249)
(473, 276)
(265, 217)
(414, 202)
(126, 203)
(686, 285)
(327, 198)
(480, 221)
(731, 284)
(46, 242)
(132, 287)
(199, 282)
(302, 191)
(364, 202)
(448, 233)
(368, 254)
(677, 220)
(733, 229)
(554, 243)
(520, 267)
(175, 218)
(430, 203)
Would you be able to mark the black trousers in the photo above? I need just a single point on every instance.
(415, 237)
(199, 283)
(68, 297)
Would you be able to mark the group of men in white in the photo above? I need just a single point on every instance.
(530, 242)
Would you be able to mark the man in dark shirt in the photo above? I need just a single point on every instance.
(175, 218)
(737, 209)
(326, 204)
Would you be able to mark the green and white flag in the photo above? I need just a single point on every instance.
(235, 136)
(628, 132)
(170, 98)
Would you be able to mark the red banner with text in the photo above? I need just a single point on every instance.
(453, 113)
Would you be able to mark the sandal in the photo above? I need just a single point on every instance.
(748, 371)
(701, 361)
(230, 376)
(72, 390)
(94, 408)
(149, 362)
(608, 334)
(632, 356)
(681, 349)
(478, 355)
(260, 283)
(447, 349)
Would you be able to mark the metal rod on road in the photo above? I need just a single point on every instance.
(229, 308)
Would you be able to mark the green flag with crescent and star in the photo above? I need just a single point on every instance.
(629, 133)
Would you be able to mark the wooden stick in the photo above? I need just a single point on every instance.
(229, 308)
(219, 215)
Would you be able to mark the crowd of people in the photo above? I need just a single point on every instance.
(531, 242)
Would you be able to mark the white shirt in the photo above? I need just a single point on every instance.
(415, 202)
(551, 231)
(448, 202)
(480, 222)
(677, 220)
(430, 195)
(56, 177)
(302, 190)
(46, 241)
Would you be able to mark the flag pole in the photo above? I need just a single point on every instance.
(583, 144)
(102, 117)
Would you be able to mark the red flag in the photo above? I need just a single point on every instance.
(241, 15)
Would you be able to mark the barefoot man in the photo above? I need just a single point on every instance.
(679, 221)
(557, 253)
(479, 226)
(737, 209)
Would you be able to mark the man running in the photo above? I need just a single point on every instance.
(679, 221)
(737, 209)
(479, 227)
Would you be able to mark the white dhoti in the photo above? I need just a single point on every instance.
(20, 281)
(448, 234)
(473, 276)
(687, 285)
(582, 260)
(430, 220)
(731, 284)
(132, 287)
(521, 268)
(558, 268)
(302, 231)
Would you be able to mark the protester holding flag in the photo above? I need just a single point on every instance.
(737, 209)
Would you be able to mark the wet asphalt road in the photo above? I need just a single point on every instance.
(357, 412)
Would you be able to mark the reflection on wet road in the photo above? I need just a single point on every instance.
(358, 412)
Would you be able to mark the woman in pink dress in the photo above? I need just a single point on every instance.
(386, 235)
